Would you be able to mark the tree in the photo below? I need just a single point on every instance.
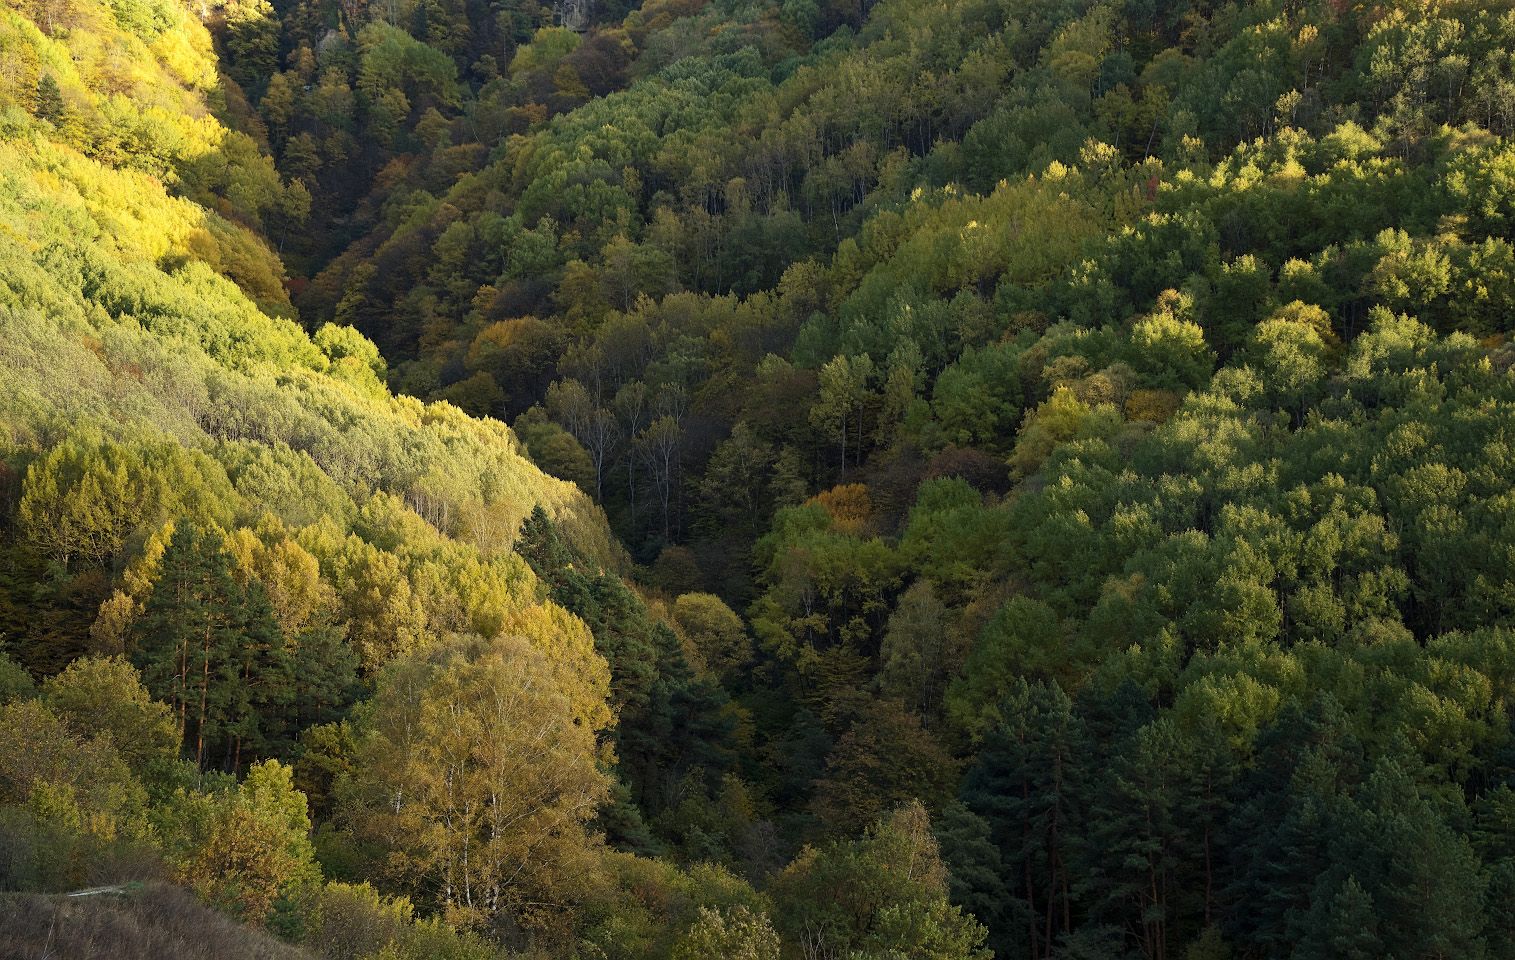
(1062, 418)
(733, 485)
(659, 446)
(1287, 801)
(843, 387)
(15, 682)
(922, 651)
(323, 677)
(976, 399)
(594, 426)
(78, 784)
(252, 40)
(352, 14)
(1420, 873)
(632, 270)
(1342, 925)
(520, 355)
(887, 759)
(288, 574)
(954, 540)
(554, 449)
(1292, 349)
(479, 766)
(733, 934)
(1025, 786)
(1153, 821)
(1168, 348)
(106, 697)
(673, 726)
(882, 896)
(90, 493)
(976, 874)
(211, 650)
(1022, 636)
(50, 103)
(716, 633)
(278, 106)
(243, 849)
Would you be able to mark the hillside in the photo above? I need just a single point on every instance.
(143, 926)
(769, 480)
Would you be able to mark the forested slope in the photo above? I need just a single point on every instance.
(271, 632)
(1032, 475)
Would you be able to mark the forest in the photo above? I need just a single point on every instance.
(757, 479)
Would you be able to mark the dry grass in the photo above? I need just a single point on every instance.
(158, 922)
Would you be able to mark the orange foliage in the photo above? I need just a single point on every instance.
(849, 505)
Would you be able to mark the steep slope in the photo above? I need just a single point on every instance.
(276, 635)
(156, 924)
(187, 470)
(131, 312)
(1065, 444)
(1110, 398)
(769, 192)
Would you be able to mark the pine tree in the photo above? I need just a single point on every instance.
(1134, 857)
(541, 547)
(181, 621)
(211, 649)
(1422, 874)
(1280, 833)
(50, 105)
(1343, 925)
(258, 683)
(1022, 786)
(325, 676)
(977, 872)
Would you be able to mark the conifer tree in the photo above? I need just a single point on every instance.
(50, 104)
(1024, 786)
(1344, 925)
(211, 649)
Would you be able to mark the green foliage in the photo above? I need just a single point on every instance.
(884, 895)
(886, 760)
(211, 650)
(90, 495)
(1022, 639)
(76, 785)
(458, 734)
(356, 922)
(15, 682)
(243, 849)
(737, 934)
(390, 59)
(717, 634)
(672, 723)
(922, 651)
(106, 697)
(1151, 361)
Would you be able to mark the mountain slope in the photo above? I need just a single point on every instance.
(1063, 446)
(266, 631)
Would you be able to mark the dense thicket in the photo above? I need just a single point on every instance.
(1033, 474)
